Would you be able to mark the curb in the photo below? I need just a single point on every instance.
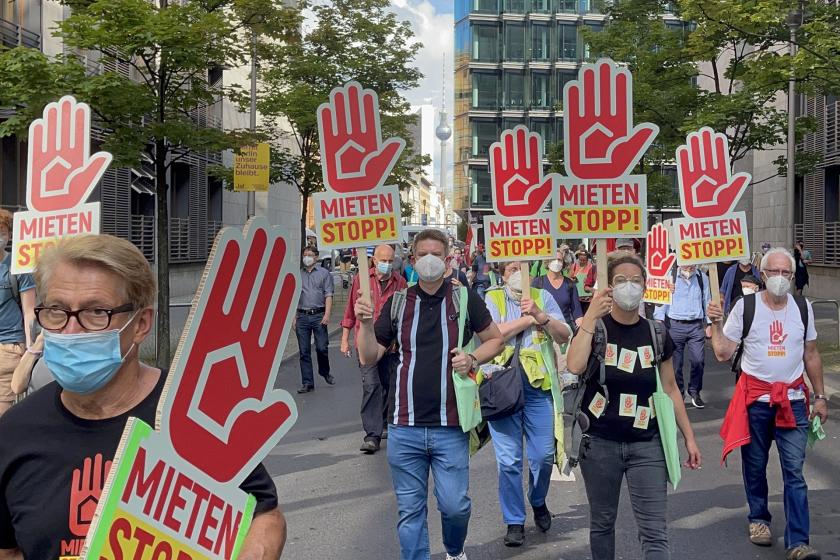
(294, 355)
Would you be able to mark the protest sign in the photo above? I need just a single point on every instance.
(520, 230)
(61, 173)
(709, 192)
(599, 198)
(173, 491)
(659, 261)
(357, 209)
(250, 168)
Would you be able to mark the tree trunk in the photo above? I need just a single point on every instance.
(162, 234)
(304, 203)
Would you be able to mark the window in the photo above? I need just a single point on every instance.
(180, 190)
(832, 194)
(596, 6)
(567, 41)
(484, 133)
(480, 188)
(514, 92)
(588, 53)
(486, 6)
(541, 6)
(12, 165)
(563, 77)
(540, 44)
(514, 41)
(515, 6)
(545, 128)
(567, 6)
(541, 90)
(485, 90)
(485, 43)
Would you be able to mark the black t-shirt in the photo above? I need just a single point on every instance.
(422, 392)
(737, 291)
(637, 386)
(42, 446)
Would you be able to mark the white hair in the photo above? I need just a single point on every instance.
(778, 251)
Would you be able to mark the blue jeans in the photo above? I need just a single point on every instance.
(604, 463)
(305, 326)
(689, 338)
(412, 451)
(536, 423)
(790, 443)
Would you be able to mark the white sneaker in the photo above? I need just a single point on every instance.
(462, 556)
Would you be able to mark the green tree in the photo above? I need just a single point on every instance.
(155, 106)
(347, 40)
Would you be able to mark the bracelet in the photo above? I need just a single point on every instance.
(586, 331)
(475, 362)
(547, 320)
(33, 352)
(820, 397)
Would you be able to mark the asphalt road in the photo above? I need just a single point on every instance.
(340, 504)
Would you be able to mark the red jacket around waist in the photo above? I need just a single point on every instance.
(395, 283)
(735, 430)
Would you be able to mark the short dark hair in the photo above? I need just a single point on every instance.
(434, 235)
(750, 279)
(618, 258)
(310, 249)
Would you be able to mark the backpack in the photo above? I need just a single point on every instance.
(398, 303)
(749, 314)
(596, 366)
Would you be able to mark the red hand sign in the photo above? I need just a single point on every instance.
(85, 492)
(601, 142)
(353, 156)
(659, 257)
(62, 173)
(777, 333)
(707, 186)
(516, 172)
(222, 412)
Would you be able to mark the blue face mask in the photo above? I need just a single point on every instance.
(84, 362)
(384, 267)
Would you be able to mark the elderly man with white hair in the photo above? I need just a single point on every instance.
(771, 399)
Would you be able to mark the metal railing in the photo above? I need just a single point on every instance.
(213, 228)
(143, 234)
(179, 240)
(13, 35)
(837, 309)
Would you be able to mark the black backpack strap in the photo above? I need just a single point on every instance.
(748, 315)
(15, 288)
(702, 293)
(657, 337)
(802, 304)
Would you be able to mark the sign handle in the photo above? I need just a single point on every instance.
(364, 274)
(525, 273)
(601, 264)
(714, 283)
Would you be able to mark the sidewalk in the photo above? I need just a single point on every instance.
(831, 374)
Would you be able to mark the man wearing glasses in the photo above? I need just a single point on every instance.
(771, 399)
(56, 446)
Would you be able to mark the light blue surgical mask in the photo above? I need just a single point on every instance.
(384, 267)
(84, 362)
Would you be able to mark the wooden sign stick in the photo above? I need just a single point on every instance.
(601, 264)
(364, 274)
(525, 273)
(714, 283)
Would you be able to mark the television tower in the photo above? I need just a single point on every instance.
(443, 133)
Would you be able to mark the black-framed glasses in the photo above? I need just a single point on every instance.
(90, 319)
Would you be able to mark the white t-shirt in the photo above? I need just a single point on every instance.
(775, 346)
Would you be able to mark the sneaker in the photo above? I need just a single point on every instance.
(462, 556)
(542, 518)
(515, 535)
(687, 399)
(369, 446)
(760, 534)
(697, 401)
(306, 389)
(802, 552)
(384, 433)
(330, 380)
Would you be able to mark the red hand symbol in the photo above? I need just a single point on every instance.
(659, 258)
(222, 412)
(777, 333)
(601, 142)
(85, 492)
(62, 173)
(707, 187)
(516, 172)
(353, 156)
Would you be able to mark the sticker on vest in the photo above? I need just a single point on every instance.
(643, 415)
(652, 408)
(627, 360)
(611, 355)
(627, 405)
(646, 356)
(598, 404)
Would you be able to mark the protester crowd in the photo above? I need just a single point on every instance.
(567, 348)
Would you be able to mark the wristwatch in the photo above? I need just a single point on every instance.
(820, 396)
(474, 362)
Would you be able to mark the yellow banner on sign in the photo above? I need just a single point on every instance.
(250, 168)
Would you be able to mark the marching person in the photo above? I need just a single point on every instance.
(771, 398)
(17, 314)
(375, 377)
(528, 321)
(623, 441)
(730, 290)
(313, 316)
(803, 260)
(584, 275)
(425, 432)
(687, 325)
(98, 307)
(483, 277)
(561, 287)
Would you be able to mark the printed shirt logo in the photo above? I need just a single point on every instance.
(777, 340)
(85, 491)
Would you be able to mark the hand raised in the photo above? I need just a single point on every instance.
(707, 186)
(353, 156)
(777, 333)
(659, 258)
(516, 172)
(85, 492)
(602, 142)
(62, 173)
(221, 411)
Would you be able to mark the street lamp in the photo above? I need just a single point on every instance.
(794, 21)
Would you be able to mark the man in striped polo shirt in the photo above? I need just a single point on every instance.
(425, 432)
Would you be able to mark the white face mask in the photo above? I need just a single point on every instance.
(686, 273)
(778, 285)
(429, 268)
(748, 291)
(555, 266)
(629, 295)
(308, 261)
(745, 262)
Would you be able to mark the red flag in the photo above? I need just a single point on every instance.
(468, 243)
